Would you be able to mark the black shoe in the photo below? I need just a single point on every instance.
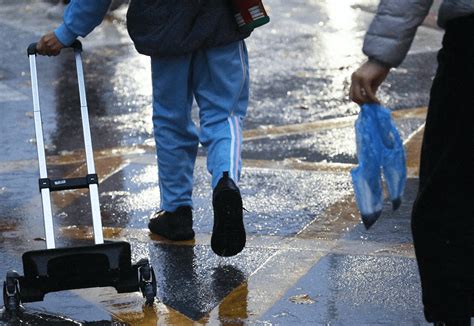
(176, 226)
(228, 233)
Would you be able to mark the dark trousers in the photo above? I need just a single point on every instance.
(443, 213)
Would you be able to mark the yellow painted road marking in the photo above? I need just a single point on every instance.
(269, 131)
(295, 164)
(105, 168)
(413, 152)
(135, 153)
(294, 256)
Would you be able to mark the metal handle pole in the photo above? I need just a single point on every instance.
(93, 188)
(45, 193)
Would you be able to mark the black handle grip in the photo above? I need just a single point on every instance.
(77, 45)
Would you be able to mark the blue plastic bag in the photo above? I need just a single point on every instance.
(379, 151)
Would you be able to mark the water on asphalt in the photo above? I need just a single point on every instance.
(300, 66)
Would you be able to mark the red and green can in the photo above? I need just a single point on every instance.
(250, 14)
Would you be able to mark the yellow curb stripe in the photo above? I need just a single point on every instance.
(295, 164)
(272, 131)
(413, 151)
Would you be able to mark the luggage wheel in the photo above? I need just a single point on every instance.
(147, 281)
(11, 293)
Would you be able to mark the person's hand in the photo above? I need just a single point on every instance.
(49, 45)
(366, 81)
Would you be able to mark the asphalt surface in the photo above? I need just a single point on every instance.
(309, 260)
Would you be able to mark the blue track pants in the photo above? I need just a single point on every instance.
(218, 79)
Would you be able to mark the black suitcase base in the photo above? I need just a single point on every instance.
(101, 265)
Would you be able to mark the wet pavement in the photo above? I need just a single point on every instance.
(308, 260)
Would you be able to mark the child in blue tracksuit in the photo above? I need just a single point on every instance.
(196, 52)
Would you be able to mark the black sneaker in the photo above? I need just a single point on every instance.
(176, 226)
(228, 233)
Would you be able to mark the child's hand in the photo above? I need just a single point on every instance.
(49, 45)
(365, 82)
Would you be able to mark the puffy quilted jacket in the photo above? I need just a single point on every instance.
(176, 27)
(159, 27)
(392, 31)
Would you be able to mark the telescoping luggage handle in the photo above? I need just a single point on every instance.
(47, 185)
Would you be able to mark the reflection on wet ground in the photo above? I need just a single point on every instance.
(193, 280)
(393, 293)
(38, 318)
(308, 259)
